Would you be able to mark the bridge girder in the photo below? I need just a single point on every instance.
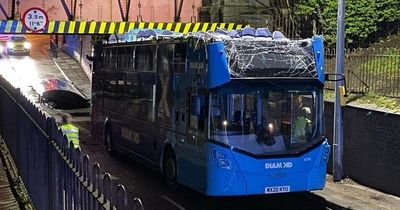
(124, 15)
(101, 27)
(8, 16)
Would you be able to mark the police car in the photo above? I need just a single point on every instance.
(18, 44)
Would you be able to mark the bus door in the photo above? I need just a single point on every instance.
(191, 160)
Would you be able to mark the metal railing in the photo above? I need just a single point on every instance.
(55, 175)
(376, 71)
(53, 48)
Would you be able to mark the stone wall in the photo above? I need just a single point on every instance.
(78, 46)
(236, 11)
(371, 146)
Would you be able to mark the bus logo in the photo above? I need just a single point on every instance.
(278, 165)
(130, 135)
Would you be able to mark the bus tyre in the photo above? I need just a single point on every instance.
(170, 169)
(108, 141)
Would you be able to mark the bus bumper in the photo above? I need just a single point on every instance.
(232, 173)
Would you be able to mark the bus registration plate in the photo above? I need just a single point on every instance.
(277, 189)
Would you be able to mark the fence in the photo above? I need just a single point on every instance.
(376, 71)
(55, 175)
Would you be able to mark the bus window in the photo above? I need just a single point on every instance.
(179, 60)
(302, 117)
(144, 58)
(113, 58)
(262, 121)
(163, 98)
(107, 57)
(146, 101)
(121, 58)
(197, 122)
(129, 58)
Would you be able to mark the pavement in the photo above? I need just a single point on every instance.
(13, 194)
(7, 197)
(348, 194)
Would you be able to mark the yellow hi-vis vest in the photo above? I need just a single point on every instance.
(72, 134)
(301, 127)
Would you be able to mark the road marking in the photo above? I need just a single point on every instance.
(173, 202)
(62, 72)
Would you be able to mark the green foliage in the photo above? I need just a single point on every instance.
(363, 17)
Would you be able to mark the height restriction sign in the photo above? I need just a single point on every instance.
(35, 19)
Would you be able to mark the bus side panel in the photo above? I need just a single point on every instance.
(223, 176)
(96, 113)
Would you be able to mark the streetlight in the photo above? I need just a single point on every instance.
(338, 121)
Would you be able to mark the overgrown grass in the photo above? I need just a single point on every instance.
(369, 99)
(387, 63)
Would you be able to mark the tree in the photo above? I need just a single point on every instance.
(363, 18)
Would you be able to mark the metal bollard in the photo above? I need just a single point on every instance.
(137, 204)
(96, 184)
(85, 173)
(122, 200)
(107, 191)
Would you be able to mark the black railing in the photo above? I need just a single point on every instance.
(369, 71)
(55, 175)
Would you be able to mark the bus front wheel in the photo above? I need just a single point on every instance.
(170, 169)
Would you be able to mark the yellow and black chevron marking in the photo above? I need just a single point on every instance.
(93, 27)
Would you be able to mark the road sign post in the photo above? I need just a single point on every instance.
(35, 19)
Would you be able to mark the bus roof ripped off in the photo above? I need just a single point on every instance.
(249, 52)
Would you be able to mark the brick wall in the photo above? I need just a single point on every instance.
(371, 146)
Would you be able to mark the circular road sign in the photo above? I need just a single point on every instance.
(35, 19)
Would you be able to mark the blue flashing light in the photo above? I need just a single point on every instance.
(146, 33)
(249, 32)
(278, 35)
(167, 32)
(263, 32)
(234, 34)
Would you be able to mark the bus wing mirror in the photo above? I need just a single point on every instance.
(196, 104)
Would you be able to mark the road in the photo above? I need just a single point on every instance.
(26, 72)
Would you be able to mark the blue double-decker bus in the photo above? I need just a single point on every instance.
(238, 113)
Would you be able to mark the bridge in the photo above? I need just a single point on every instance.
(74, 179)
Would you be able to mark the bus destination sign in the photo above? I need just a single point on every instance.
(35, 19)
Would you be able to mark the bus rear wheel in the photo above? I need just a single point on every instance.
(170, 169)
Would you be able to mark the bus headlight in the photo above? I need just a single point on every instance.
(10, 45)
(325, 154)
(27, 45)
(221, 158)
